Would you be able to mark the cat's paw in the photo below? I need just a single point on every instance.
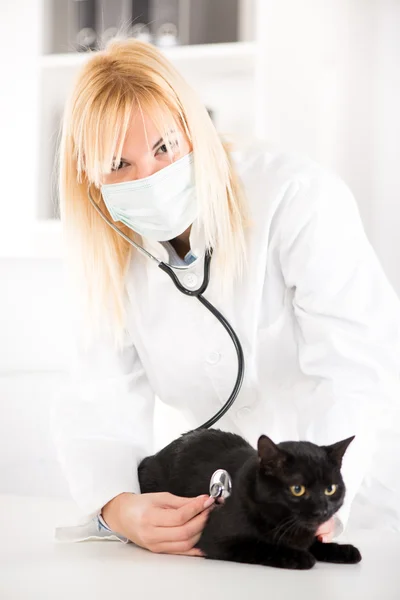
(296, 559)
(336, 553)
(348, 554)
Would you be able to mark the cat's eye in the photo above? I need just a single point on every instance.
(298, 490)
(330, 490)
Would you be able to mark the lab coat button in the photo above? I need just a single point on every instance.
(243, 412)
(213, 358)
(190, 280)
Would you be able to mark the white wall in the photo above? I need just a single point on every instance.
(331, 81)
(386, 147)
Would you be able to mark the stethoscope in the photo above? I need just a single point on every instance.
(199, 295)
(220, 485)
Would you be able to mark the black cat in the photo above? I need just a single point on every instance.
(280, 496)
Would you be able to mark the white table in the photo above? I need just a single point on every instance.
(34, 565)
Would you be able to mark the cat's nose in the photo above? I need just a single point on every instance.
(321, 514)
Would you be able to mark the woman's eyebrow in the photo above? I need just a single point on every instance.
(154, 147)
(171, 131)
(156, 144)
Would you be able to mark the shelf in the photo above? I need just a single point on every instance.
(228, 59)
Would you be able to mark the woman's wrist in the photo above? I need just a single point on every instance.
(111, 512)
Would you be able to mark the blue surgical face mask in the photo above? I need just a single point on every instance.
(159, 207)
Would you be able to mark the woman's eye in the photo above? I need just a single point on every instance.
(298, 490)
(119, 166)
(330, 490)
(164, 147)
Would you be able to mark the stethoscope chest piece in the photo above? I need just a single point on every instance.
(220, 484)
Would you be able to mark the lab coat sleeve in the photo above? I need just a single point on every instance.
(102, 422)
(347, 323)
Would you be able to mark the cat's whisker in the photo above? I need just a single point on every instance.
(281, 524)
(275, 530)
(285, 527)
(293, 527)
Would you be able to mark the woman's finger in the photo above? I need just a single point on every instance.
(170, 517)
(179, 534)
(182, 547)
(167, 500)
(194, 552)
(325, 531)
(325, 527)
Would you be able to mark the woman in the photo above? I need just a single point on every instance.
(292, 271)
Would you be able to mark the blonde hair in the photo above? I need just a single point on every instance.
(126, 74)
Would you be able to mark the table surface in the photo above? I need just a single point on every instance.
(34, 565)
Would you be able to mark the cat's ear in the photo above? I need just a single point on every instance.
(336, 451)
(269, 455)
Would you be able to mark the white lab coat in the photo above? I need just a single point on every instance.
(320, 329)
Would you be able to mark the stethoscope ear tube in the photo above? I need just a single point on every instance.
(238, 347)
(198, 294)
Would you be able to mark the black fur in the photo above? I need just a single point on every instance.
(262, 522)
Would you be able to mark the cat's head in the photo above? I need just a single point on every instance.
(301, 479)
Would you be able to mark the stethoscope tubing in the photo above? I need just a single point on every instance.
(238, 347)
(198, 293)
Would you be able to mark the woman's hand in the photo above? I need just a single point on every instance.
(325, 531)
(160, 522)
